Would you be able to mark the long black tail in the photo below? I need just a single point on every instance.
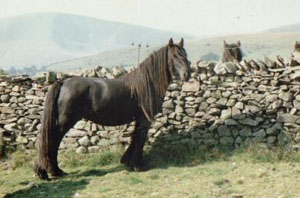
(48, 133)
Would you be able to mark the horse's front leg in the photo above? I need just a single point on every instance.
(133, 157)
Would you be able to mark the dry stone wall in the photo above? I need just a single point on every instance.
(229, 104)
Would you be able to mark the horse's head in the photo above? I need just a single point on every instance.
(232, 51)
(297, 47)
(179, 65)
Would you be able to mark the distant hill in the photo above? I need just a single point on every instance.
(44, 38)
(253, 46)
(286, 28)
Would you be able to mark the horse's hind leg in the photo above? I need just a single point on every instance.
(65, 123)
(47, 160)
(54, 170)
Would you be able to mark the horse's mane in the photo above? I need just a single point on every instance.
(149, 82)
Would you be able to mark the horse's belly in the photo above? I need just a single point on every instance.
(111, 119)
(113, 116)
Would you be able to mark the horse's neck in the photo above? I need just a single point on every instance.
(130, 74)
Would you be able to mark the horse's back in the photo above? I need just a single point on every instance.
(104, 101)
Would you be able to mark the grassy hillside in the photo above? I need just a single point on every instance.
(286, 28)
(44, 38)
(253, 46)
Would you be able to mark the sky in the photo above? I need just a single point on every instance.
(199, 18)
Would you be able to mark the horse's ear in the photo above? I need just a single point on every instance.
(224, 43)
(296, 44)
(239, 43)
(181, 42)
(171, 42)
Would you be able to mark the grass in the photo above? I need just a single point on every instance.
(176, 171)
(106, 157)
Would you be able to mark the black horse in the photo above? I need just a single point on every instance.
(232, 52)
(137, 96)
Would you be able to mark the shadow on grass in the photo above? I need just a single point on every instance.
(184, 155)
(188, 155)
(178, 148)
(65, 187)
(59, 188)
(97, 172)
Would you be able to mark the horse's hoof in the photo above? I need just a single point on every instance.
(44, 177)
(41, 173)
(59, 173)
(124, 160)
(140, 168)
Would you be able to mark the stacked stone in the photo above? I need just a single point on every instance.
(21, 110)
(232, 108)
(102, 72)
(229, 105)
